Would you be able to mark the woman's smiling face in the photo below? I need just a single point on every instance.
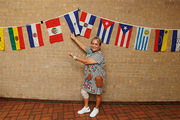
(95, 45)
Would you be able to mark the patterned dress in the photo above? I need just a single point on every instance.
(96, 70)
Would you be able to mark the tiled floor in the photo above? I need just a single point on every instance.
(54, 110)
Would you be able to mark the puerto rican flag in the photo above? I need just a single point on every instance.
(54, 30)
(35, 35)
(86, 23)
(72, 19)
(123, 35)
(105, 30)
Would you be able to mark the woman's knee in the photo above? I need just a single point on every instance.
(84, 94)
(98, 95)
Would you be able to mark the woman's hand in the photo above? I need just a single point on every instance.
(72, 36)
(70, 54)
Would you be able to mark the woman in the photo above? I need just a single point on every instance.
(94, 74)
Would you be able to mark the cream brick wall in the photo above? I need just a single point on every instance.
(49, 73)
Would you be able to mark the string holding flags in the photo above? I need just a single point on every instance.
(83, 26)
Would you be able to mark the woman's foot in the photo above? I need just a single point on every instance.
(94, 112)
(84, 110)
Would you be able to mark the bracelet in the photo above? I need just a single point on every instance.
(75, 57)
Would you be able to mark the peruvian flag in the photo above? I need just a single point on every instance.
(86, 23)
(123, 35)
(54, 30)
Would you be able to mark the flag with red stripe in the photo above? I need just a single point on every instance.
(16, 38)
(86, 23)
(123, 35)
(105, 30)
(54, 30)
(35, 35)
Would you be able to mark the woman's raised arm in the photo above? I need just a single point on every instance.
(81, 45)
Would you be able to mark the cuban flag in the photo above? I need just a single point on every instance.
(72, 19)
(35, 35)
(161, 38)
(175, 41)
(123, 35)
(86, 23)
(105, 30)
(142, 38)
(54, 30)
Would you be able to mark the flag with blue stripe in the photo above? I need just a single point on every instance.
(35, 35)
(142, 38)
(72, 19)
(105, 30)
(175, 41)
(161, 38)
(86, 23)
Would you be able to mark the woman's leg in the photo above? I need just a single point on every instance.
(86, 97)
(86, 101)
(86, 108)
(96, 108)
(98, 101)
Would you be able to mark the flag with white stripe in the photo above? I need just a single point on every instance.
(142, 38)
(175, 41)
(35, 35)
(105, 30)
(54, 30)
(86, 23)
(72, 19)
(123, 35)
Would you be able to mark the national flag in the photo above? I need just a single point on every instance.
(16, 38)
(161, 37)
(35, 35)
(54, 30)
(72, 19)
(1, 39)
(86, 23)
(105, 30)
(123, 35)
(142, 38)
(175, 41)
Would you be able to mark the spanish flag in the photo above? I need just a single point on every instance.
(1, 39)
(161, 40)
(16, 38)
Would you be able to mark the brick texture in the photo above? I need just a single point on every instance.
(49, 73)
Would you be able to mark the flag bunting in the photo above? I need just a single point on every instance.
(83, 27)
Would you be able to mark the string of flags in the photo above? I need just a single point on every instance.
(84, 26)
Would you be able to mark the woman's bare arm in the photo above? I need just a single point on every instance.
(84, 61)
(81, 45)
